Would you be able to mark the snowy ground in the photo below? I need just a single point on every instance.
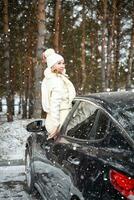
(12, 183)
(13, 136)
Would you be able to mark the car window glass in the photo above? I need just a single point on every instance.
(102, 125)
(82, 121)
(126, 118)
(116, 139)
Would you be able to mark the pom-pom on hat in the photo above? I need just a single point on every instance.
(52, 57)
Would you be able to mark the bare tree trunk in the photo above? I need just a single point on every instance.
(83, 49)
(117, 55)
(57, 25)
(117, 48)
(30, 91)
(109, 49)
(110, 44)
(7, 61)
(12, 88)
(103, 53)
(131, 58)
(0, 104)
(93, 55)
(24, 96)
(26, 91)
(21, 90)
(38, 71)
(24, 108)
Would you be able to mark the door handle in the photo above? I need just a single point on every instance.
(73, 160)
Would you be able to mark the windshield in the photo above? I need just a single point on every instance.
(125, 117)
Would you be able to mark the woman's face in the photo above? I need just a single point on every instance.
(59, 67)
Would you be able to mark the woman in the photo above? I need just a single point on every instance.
(57, 92)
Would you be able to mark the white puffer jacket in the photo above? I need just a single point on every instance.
(57, 95)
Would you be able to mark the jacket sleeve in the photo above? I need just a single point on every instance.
(44, 97)
(55, 101)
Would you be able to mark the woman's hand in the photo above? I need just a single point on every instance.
(54, 133)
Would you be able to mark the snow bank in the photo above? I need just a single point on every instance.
(13, 136)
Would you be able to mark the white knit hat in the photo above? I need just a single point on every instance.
(52, 58)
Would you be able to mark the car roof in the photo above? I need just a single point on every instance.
(111, 100)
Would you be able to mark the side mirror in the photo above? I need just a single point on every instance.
(35, 126)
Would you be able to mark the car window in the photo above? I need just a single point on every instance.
(116, 139)
(82, 121)
(126, 119)
(102, 125)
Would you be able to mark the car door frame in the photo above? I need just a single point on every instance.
(77, 101)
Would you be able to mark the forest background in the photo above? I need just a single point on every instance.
(96, 38)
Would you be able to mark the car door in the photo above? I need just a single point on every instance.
(76, 153)
(51, 180)
(114, 151)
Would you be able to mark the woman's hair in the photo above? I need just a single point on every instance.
(55, 71)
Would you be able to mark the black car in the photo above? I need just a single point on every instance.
(93, 156)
